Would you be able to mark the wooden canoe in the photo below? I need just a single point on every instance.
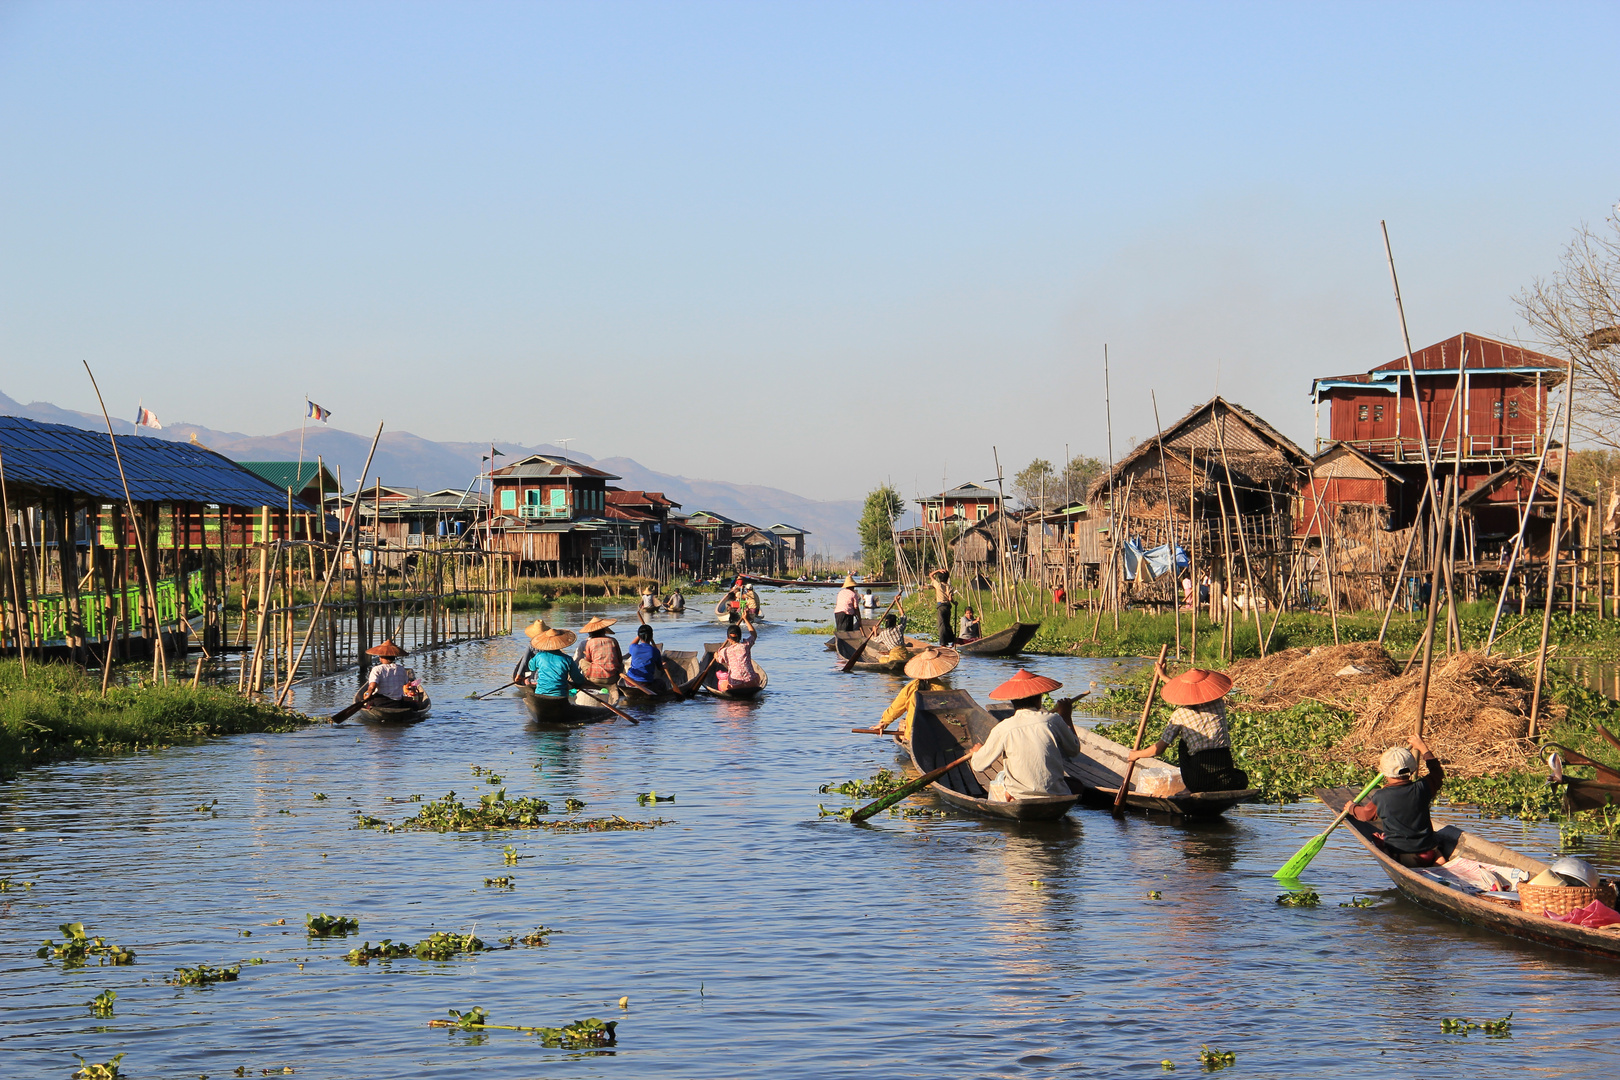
(1002, 642)
(946, 723)
(1586, 794)
(1497, 912)
(543, 709)
(1156, 786)
(740, 693)
(754, 579)
(408, 713)
(872, 658)
(684, 666)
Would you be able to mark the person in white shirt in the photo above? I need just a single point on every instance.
(387, 678)
(1032, 744)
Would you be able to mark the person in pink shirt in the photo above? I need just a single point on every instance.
(734, 661)
(847, 607)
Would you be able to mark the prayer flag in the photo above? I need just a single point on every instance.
(316, 412)
(144, 417)
(498, 453)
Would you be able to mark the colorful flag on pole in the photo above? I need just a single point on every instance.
(144, 417)
(316, 412)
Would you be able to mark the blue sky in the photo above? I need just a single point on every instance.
(815, 246)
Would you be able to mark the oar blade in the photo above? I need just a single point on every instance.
(890, 799)
(1302, 858)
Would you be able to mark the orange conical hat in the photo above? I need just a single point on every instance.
(1195, 686)
(1023, 685)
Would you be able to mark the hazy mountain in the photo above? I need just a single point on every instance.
(412, 461)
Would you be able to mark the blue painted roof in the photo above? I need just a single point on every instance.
(81, 461)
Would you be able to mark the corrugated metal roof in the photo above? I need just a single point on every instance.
(289, 474)
(77, 460)
(1482, 352)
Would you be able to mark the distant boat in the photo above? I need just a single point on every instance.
(1002, 642)
(752, 579)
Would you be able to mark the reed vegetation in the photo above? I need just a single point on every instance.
(57, 712)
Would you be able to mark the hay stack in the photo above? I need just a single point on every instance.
(1477, 718)
(1321, 673)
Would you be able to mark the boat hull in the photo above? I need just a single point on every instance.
(556, 710)
(1002, 642)
(945, 723)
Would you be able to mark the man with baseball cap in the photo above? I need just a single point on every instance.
(1401, 806)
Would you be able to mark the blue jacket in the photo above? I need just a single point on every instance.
(554, 672)
(645, 662)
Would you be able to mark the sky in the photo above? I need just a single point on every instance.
(816, 246)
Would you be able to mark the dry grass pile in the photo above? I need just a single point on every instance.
(1477, 719)
(1322, 674)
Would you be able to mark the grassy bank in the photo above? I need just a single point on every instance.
(1141, 633)
(58, 713)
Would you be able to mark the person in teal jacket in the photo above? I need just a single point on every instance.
(553, 671)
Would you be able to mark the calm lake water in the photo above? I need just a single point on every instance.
(751, 935)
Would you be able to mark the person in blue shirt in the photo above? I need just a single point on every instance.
(646, 668)
(553, 671)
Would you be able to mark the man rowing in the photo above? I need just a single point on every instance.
(1401, 806)
(385, 685)
(1199, 723)
(1031, 744)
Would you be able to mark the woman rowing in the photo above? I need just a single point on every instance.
(734, 661)
(552, 672)
(646, 670)
(1200, 724)
(599, 657)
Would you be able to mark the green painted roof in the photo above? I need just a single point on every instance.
(289, 474)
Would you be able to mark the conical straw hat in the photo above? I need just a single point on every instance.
(387, 648)
(596, 624)
(534, 628)
(551, 639)
(849, 581)
(1195, 686)
(933, 662)
(1024, 684)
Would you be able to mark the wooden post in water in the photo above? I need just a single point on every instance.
(1552, 554)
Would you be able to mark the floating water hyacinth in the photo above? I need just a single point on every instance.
(203, 975)
(647, 798)
(106, 1070)
(498, 883)
(580, 1035)
(1300, 898)
(493, 811)
(324, 925)
(602, 824)
(102, 1003)
(1212, 1059)
(79, 946)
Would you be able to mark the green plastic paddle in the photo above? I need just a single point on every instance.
(900, 793)
(1302, 858)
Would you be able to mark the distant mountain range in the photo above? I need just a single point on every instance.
(412, 461)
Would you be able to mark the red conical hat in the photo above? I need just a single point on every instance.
(1195, 686)
(387, 648)
(1023, 685)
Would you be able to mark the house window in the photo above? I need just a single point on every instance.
(508, 499)
(1496, 410)
(1361, 412)
(1513, 408)
(980, 512)
(1378, 413)
(933, 514)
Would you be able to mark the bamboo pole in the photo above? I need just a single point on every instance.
(1192, 556)
(140, 540)
(1428, 632)
(1169, 524)
(1552, 553)
(11, 567)
(1248, 568)
(1108, 418)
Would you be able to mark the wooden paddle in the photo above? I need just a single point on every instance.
(602, 702)
(849, 665)
(498, 689)
(1302, 858)
(1141, 730)
(338, 718)
(907, 789)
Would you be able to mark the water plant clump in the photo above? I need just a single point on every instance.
(78, 946)
(647, 798)
(1300, 898)
(7, 885)
(492, 811)
(1360, 902)
(102, 1004)
(105, 1070)
(573, 806)
(324, 925)
(846, 812)
(498, 883)
(883, 782)
(580, 1035)
(203, 975)
(1212, 1059)
(614, 823)
(1494, 1029)
(443, 946)
(537, 936)
(366, 821)
(386, 950)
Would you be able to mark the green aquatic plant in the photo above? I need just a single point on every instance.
(366, 821)
(573, 806)
(324, 925)
(1360, 902)
(206, 808)
(203, 975)
(603, 824)
(536, 936)
(386, 950)
(510, 854)
(580, 1035)
(883, 782)
(916, 812)
(647, 798)
(493, 811)
(1495, 1029)
(1155, 895)
(1300, 898)
(443, 946)
(106, 1070)
(320, 796)
(102, 1003)
(498, 883)
(78, 946)
(846, 812)
(7, 885)
(1212, 1059)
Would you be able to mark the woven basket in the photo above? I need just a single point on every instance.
(1561, 900)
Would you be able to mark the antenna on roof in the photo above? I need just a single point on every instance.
(565, 443)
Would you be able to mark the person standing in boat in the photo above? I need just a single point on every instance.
(646, 668)
(1200, 723)
(734, 661)
(599, 657)
(847, 607)
(553, 671)
(386, 683)
(1401, 806)
(940, 579)
(1032, 744)
(969, 628)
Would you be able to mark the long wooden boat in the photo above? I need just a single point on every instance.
(754, 579)
(681, 665)
(1002, 642)
(1155, 786)
(1594, 793)
(408, 713)
(543, 709)
(945, 724)
(1498, 912)
(871, 657)
(711, 684)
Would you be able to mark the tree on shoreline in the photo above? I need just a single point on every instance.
(1060, 489)
(883, 506)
